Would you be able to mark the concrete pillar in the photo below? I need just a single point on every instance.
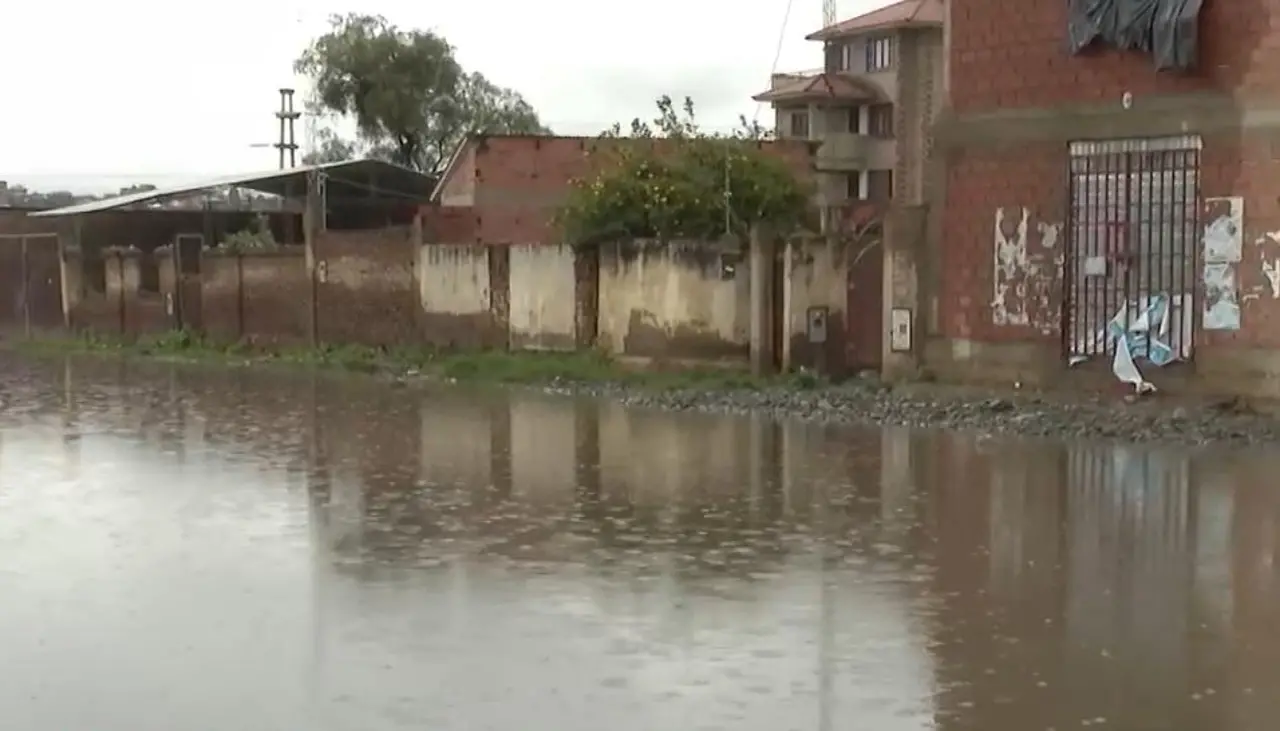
(904, 246)
(763, 260)
(313, 223)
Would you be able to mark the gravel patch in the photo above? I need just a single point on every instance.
(928, 406)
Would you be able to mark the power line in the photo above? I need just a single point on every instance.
(777, 53)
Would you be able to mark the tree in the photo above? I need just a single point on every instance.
(411, 100)
(329, 147)
(673, 180)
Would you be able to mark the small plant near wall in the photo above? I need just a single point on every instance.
(257, 236)
(672, 180)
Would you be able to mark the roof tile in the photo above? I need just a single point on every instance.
(903, 13)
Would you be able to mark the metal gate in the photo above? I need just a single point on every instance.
(1131, 248)
(30, 283)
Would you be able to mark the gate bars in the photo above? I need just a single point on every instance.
(1131, 248)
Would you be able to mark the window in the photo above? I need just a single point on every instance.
(855, 120)
(853, 186)
(879, 54)
(848, 53)
(880, 120)
(879, 185)
(799, 124)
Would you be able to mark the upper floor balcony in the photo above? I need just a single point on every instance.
(844, 151)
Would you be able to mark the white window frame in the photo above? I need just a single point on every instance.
(794, 115)
(879, 53)
(848, 52)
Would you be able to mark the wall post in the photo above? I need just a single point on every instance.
(26, 289)
(121, 305)
(239, 295)
(904, 243)
(763, 260)
(313, 225)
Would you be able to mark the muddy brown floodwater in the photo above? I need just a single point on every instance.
(186, 548)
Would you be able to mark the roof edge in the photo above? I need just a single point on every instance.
(450, 167)
(243, 180)
(832, 33)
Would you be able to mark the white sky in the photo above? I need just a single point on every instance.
(101, 95)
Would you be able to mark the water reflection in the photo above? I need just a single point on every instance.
(217, 548)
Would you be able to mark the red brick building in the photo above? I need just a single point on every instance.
(1078, 187)
(515, 183)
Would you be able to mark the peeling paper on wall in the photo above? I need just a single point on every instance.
(1268, 246)
(1022, 273)
(1012, 266)
(1222, 243)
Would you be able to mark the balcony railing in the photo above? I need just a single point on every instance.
(844, 151)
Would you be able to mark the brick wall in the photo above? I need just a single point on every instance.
(261, 297)
(516, 183)
(123, 307)
(366, 288)
(1016, 99)
(979, 182)
(449, 224)
(1008, 54)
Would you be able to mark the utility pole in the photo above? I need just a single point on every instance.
(287, 117)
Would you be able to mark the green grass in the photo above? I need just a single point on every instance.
(493, 367)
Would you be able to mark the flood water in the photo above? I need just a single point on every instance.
(196, 549)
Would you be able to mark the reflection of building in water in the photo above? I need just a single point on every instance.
(1025, 520)
(1255, 606)
(1130, 546)
(1131, 564)
(1068, 582)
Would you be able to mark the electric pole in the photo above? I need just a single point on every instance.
(287, 117)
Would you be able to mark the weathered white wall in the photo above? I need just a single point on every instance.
(679, 299)
(453, 279)
(542, 297)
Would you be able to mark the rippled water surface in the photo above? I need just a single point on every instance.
(211, 549)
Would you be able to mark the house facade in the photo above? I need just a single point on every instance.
(1110, 212)
(870, 107)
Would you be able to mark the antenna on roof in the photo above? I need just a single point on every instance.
(828, 13)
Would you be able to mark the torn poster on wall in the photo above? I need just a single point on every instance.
(1141, 331)
(1024, 270)
(1222, 242)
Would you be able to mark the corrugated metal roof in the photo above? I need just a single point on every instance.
(904, 13)
(366, 179)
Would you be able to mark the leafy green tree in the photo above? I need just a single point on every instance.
(329, 147)
(669, 179)
(411, 100)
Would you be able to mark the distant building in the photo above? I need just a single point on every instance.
(871, 105)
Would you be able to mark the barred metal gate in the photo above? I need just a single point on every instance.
(1131, 248)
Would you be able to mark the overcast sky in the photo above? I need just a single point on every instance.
(101, 95)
